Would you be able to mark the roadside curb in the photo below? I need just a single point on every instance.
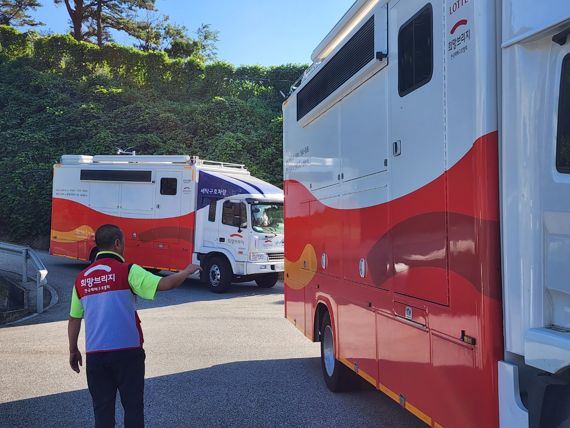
(54, 299)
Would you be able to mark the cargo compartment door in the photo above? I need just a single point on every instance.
(418, 226)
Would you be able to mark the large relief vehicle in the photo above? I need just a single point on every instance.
(173, 210)
(427, 207)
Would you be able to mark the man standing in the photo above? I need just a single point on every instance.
(105, 295)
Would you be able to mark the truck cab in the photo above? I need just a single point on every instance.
(242, 241)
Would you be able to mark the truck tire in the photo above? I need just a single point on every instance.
(336, 374)
(267, 280)
(219, 274)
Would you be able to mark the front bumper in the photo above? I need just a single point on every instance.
(264, 267)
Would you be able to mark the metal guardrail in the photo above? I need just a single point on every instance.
(28, 254)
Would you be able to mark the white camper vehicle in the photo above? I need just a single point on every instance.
(427, 207)
(173, 210)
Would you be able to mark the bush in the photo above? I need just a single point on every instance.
(59, 96)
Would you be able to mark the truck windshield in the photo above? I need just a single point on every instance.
(267, 218)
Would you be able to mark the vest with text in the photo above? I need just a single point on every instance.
(111, 319)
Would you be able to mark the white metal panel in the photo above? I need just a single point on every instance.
(470, 76)
(104, 197)
(321, 140)
(417, 119)
(547, 349)
(525, 19)
(535, 197)
(66, 185)
(168, 205)
(137, 197)
(512, 413)
(364, 131)
(141, 159)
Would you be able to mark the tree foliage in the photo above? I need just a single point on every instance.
(16, 12)
(60, 96)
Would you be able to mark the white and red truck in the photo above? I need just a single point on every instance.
(427, 207)
(173, 210)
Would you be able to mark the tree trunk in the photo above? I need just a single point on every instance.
(99, 23)
(77, 18)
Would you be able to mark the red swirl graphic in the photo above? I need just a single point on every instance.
(458, 24)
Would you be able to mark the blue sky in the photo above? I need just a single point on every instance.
(266, 32)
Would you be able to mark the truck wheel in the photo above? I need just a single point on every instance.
(335, 373)
(219, 274)
(267, 280)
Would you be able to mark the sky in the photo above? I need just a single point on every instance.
(265, 32)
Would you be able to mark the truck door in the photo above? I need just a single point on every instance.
(556, 202)
(232, 229)
(417, 158)
(166, 239)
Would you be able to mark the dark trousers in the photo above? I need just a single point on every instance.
(108, 372)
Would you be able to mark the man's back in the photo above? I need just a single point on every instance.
(111, 322)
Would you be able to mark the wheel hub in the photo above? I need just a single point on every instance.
(215, 275)
(328, 350)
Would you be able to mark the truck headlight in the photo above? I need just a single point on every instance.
(258, 257)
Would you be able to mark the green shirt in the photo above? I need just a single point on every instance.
(143, 283)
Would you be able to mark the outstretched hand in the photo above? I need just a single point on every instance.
(190, 269)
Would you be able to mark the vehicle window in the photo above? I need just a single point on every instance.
(563, 132)
(234, 214)
(168, 186)
(267, 218)
(415, 51)
(212, 211)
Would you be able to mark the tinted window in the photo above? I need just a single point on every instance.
(563, 133)
(348, 61)
(168, 186)
(115, 175)
(234, 214)
(212, 211)
(415, 51)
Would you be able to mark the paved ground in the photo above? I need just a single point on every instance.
(212, 360)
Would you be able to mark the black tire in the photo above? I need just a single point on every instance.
(336, 374)
(267, 280)
(218, 274)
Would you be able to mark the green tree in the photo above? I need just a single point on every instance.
(120, 15)
(93, 19)
(208, 39)
(16, 12)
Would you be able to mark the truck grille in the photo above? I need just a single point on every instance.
(275, 257)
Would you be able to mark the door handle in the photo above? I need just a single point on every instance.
(397, 147)
(222, 239)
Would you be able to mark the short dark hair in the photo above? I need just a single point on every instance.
(106, 236)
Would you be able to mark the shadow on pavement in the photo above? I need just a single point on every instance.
(252, 393)
(62, 273)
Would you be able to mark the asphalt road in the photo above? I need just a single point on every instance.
(212, 360)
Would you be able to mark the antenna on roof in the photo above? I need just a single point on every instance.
(126, 151)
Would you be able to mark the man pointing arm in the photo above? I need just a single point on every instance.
(104, 295)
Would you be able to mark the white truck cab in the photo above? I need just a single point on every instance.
(248, 231)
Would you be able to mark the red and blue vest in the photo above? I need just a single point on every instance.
(111, 319)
